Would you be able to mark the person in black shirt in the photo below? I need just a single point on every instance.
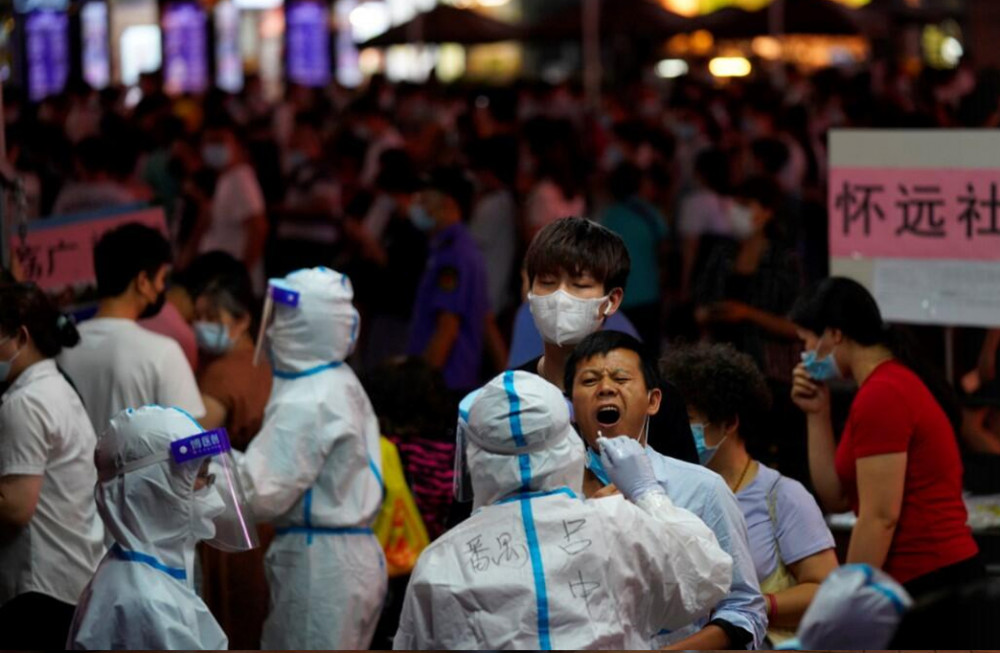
(576, 273)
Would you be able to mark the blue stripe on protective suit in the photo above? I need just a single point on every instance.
(882, 588)
(541, 594)
(378, 476)
(134, 556)
(309, 531)
(307, 504)
(537, 495)
(290, 376)
(354, 331)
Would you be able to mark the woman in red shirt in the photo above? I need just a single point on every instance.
(897, 465)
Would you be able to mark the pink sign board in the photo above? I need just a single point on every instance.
(915, 213)
(58, 252)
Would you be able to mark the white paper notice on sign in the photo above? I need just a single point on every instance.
(921, 291)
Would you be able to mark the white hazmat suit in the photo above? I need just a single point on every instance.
(537, 567)
(315, 472)
(856, 608)
(142, 595)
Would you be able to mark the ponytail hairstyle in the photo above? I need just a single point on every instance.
(25, 305)
(844, 304)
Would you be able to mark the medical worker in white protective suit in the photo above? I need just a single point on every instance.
(163, 486)
(315, 471)
(538, 567)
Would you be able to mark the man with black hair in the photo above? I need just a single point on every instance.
(452, 320)
(118, 364)
(576, 271)
(615, 388)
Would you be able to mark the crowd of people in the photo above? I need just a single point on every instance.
(603, 342)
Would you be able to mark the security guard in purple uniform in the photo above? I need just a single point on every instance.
(451, 317)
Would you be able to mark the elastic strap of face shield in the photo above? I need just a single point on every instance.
(194, 447)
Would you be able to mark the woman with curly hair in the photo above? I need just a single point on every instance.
(727, 401)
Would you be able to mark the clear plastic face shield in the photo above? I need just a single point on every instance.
(217, 490)
(218, 478)
(276, 294)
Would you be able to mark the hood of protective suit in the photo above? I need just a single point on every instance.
(150, 510)
(322, 329)
(520, 440)
(856, 608)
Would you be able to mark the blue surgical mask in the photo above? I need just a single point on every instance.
(420, 218)
(296, 158)
(596, 467)
(705, 452)
(216, 155)
(821, 369)
(212, 337)
(7, 365)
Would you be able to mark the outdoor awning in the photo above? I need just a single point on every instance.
(798, 17)
(447, 24)
(639, 18)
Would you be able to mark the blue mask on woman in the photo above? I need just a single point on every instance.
(705, 452)
(213, 337)
(596, 467)
(420, 218)
(820, 369)
(7, 365)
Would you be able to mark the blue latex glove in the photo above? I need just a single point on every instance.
(628, 467)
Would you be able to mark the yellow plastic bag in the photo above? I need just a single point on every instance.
(399, 527)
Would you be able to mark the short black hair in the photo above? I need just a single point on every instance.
(95, 154)
(602, 343)
(453, 182)
(841, 303)
(763, 190)
(122, 253)
(712, 165)
(722, 384)
(577, 245)
(205, 268)
(771, 153)
(231, 290)
(497, 155)
(397, 173)
(625, 181)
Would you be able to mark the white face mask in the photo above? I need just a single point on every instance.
(563, 319)
(741, 220)
(207, 505)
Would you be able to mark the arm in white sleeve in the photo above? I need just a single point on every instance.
(694, 571)
(286, 457)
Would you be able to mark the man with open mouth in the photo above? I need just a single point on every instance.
(615, 391)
